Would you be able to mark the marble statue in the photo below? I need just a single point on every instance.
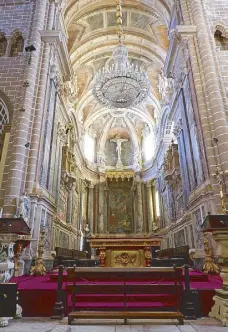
(118, 140)
(24, 207)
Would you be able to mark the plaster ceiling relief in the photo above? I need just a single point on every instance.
(75, 32)
(160, 32)
(118, 132)
(92, 38)
(87, 110)
(141, 21)
(95, 22)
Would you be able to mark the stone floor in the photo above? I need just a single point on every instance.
(47, 325)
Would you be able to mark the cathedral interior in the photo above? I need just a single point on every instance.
(88, 155)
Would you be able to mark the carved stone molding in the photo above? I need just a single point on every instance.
(177, 128)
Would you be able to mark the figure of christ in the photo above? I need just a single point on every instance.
(118, 140)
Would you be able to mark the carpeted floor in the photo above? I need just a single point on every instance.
(38, 294)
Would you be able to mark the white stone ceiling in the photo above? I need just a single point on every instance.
(91, 27)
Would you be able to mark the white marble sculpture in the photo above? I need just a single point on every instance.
(119, 141)
(24, 207)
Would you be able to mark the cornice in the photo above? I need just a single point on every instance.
(56, 37)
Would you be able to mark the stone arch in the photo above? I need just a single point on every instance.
(221, 37)
(4, 115)
(17, 43)
(5, 99)
(3, 44)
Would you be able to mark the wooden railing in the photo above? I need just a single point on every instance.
(88, 281)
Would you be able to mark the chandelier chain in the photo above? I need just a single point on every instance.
(119, 17)
(120, 84)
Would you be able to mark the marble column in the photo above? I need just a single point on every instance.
(150, 210)
(70, 200)
(91, 207)
(101, 216)
(139, 220)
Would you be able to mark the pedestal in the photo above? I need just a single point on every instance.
(220, 308)
(218, 226)
(14, 237)
(6, 258)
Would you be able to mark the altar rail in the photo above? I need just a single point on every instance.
(125, 284)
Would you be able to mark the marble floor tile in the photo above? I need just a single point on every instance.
(154, 328)
(209, 328)
(94, 328)
(186, 328)
(122, 328)
(205, 321)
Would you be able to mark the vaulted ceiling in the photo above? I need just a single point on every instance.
(91, 27)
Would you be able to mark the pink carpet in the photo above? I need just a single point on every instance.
(38, 294)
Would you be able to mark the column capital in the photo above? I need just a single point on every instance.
(186, 30)
(148, 184)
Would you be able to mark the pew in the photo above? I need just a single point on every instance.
(68, 257)
(168, 257)
(124, 285)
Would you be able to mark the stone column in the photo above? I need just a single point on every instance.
(40, 106)
(216, 107)
(150, 207)
(139, 220)
(91, 207)
(51, 15)
(13, 183)
(205, 75)
(7, 129)
(9, 45)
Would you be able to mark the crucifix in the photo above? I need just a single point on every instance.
(118, 140)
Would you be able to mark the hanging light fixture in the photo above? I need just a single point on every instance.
(120, 85)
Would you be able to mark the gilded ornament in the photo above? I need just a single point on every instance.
(125, 259)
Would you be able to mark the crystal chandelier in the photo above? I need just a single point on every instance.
(120, 85)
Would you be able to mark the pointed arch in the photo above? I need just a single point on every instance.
(17, 43)
(3, 44)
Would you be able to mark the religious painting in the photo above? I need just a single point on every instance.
(120, 207)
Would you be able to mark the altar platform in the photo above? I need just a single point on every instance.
(121, 250)
(38, 294)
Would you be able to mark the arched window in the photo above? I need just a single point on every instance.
(3, 44)
(4, 115)
(149, 147)
(157, 203)
(17, 44)
(220, 41)
(89, 147)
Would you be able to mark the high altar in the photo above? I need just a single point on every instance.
(124, 251)
(123, 227)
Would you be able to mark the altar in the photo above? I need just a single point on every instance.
(121, 250)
